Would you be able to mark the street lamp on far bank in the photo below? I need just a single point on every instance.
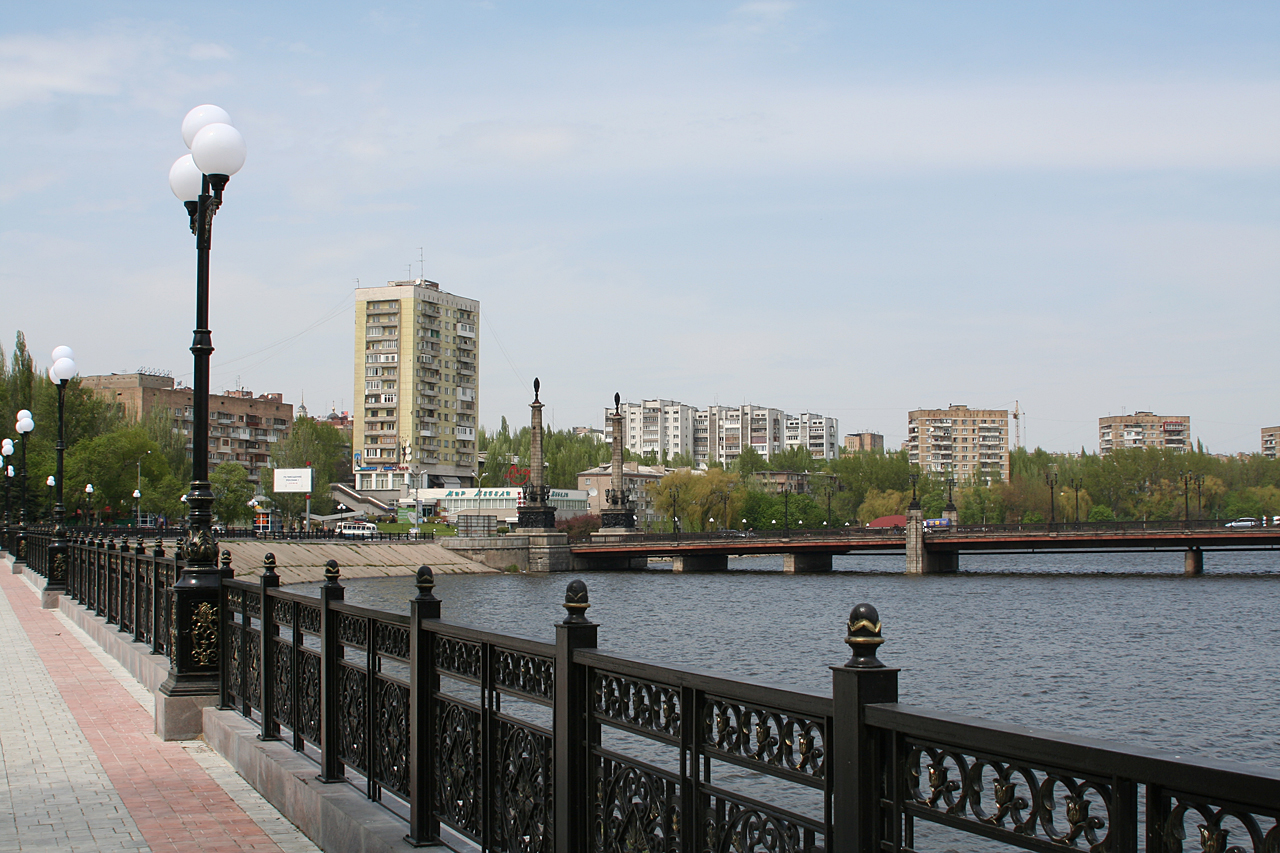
(88, 500)
(137, 506)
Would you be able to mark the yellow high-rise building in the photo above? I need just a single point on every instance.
(416, 387)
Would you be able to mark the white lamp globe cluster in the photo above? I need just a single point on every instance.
(217, 148)
(25, 422)
(64, 365)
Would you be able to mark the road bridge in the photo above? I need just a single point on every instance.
(939, 551)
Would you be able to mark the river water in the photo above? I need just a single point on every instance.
(1114, 646)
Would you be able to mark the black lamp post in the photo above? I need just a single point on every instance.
(88, 504)
(915, 502)
(1051, 480)
(1199, 481)
(786, 508)
(24, 426)
(64, 367)
(951, 484)
(6, 450)
(1076, 484)
(1186, 498)
(198, 180)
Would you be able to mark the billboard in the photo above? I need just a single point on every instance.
(292, 480)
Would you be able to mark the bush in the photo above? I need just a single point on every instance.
(579, 527)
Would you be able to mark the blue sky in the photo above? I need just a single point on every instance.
(848, 208)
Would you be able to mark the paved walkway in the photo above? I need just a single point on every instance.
(80, 767)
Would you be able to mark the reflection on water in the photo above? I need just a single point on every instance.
(1117, 646)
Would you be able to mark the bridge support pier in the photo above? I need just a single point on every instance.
(1193, 563)
(920, 560)
(699, 562)
(800, 564)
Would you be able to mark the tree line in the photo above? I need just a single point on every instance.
(117, 456)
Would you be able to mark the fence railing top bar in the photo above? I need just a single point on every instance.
(789, 699)
(282, 594)
(377, 615)
(512, 642)
(1249, 785)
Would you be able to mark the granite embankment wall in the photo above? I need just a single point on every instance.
(303, 562)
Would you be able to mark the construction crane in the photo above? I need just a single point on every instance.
(1017, 425)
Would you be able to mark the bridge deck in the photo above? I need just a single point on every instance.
(977, 539)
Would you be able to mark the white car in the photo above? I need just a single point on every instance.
(1244, 522)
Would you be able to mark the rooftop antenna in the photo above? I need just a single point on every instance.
(421, 265)
(357, 284)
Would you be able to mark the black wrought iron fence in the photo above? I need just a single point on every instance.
(127, 585)
(529, 747)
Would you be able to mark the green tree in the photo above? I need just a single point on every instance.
(312, 444)
(749, 462)
(231, 493)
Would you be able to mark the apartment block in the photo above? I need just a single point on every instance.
(968, 443)
(1269, 438)
(654, 427)
(815, 433)
(1144, 429)
(416, 371)
(636, 479)
(242, 427)
(860, 442)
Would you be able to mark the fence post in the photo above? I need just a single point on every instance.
(268, 634)
(157, 599)
(140, 603)
(424, 681)
(330, 654)
(857, 758)
(571, 715)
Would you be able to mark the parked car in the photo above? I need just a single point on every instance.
(1244, 522)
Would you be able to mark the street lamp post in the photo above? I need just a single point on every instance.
(88, 501)
(1051, 480)
(1199, 481)
(63, 368)
(1076, 484)
(137, 507)
(6, 450)
(198, 180)
(1186, 498)
(50, 481)
(786, 510)
(24, 426)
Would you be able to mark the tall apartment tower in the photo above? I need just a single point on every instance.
(969, 443)
(815, 433)
(654, 427)
(416, 359)
(1144, 429)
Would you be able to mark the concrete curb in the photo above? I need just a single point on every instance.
(334, 816)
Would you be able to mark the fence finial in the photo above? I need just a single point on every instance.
(864, 636)
(331, 573)
(268, 565)
(575, 601)
(426, 583)
(226, 562)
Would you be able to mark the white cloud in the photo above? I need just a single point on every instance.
(514, 142)
(34, 69)
(760, 15)
(208, 51)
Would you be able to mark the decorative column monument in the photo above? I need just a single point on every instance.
(537, 513)
(620, 514)
(548, 549)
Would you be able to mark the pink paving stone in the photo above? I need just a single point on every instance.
(172, 800)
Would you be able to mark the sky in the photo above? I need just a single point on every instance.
(848, 208)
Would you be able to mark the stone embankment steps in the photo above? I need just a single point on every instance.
(303, 562)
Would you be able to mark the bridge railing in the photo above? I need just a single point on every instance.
(528, 746)
(1040, 528)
